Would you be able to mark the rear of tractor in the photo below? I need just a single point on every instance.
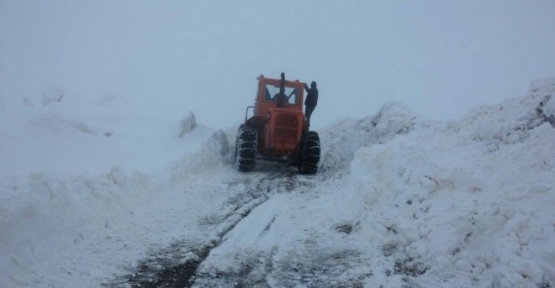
(277, 130)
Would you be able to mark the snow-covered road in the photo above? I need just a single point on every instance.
(175, 266)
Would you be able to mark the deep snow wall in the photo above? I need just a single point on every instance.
(83, 230)
(469, 204)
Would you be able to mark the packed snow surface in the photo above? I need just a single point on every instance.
(90, 189)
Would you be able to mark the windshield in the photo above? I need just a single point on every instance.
(291, 93)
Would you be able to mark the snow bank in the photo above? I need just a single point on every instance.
(80, 181)
(45, 216)
(470, 205)
(340, 141)
(84, 230)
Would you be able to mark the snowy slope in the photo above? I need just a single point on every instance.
(400, 200)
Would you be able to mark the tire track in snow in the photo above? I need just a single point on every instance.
(177, 265)
(246, 261)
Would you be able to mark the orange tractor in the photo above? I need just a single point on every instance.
(278, 129)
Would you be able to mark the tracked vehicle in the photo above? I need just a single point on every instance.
(277, 129)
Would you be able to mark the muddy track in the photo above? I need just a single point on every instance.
(176, 266)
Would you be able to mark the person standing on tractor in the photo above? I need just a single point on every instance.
(311, 99)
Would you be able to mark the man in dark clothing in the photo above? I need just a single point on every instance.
(311, 99)
(280, 99)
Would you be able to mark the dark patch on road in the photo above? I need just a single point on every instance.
(175, 276)
(344, 228)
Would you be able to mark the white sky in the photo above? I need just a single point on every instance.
(439, 57)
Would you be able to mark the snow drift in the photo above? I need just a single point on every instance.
(467, 204)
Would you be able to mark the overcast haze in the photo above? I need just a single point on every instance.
(205, 56)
